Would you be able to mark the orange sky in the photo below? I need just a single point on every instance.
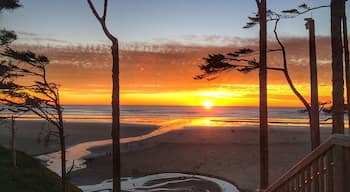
(163, 75)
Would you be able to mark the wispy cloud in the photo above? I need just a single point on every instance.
(166, 67)
(206, 40)
(27, 37)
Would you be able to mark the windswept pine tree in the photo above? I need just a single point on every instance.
(244, 61)
(9, 4)
(6, 37)
(219, 63)
(24, 86)
(40, 96)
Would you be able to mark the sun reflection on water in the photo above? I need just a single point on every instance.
(202, 122)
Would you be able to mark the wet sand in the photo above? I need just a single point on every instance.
(229, 153)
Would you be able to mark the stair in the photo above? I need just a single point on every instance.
(325, 169)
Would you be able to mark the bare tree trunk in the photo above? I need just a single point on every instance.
(287, 76)
(347, 65)
(116, 118)
(13, 141)
(315, 117)
(63, 148)
(63, 160)
(264, 155)
(115, 94)
(337, 7)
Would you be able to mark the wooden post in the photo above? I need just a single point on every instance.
(315, 117)
(264, 153)
(338, 177)
(13, 142)
(347, 167)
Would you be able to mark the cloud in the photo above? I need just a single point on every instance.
(167, 67)
(324, 61)
(299, 60)
(27, 37)
(206, 40)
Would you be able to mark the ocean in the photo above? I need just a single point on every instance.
(220, 116)
(216, 116)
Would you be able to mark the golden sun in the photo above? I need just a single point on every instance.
(208, 104)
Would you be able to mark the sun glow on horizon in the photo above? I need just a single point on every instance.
(279, 95)
(208, 104)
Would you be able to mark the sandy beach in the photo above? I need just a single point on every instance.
(230, 153)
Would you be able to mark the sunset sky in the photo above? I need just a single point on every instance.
(162, 44)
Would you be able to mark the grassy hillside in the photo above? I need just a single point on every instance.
(29, 176)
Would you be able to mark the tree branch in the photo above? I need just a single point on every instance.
(314, 8)
(102, 20)
(275, 68)
(92, 7)
(105, 10)
(71, 169)
(258, 4)
(286, 73)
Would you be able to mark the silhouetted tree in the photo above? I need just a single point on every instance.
(115, 93)
(243, 61)
(39, 97)
(264, 152)
(213, 61)
(337, 13)
(346, 62)
(7, 37)
(24, 86)
(313, 113)
(218, 63)
(9, 4)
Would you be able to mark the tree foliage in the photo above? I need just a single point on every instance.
(24, 86)
(244, 61)
(216, 63)
(284, 14)
(7, 37)
(9, 4)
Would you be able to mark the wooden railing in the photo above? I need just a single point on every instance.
(326, 169)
